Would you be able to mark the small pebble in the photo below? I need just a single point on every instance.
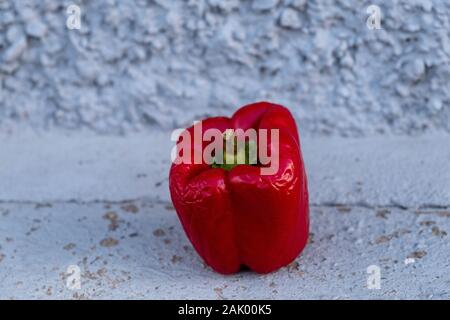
(290, 19)
(36, 28)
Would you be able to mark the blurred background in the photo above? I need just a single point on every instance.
(153, 64)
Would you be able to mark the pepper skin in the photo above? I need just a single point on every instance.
(240, 218)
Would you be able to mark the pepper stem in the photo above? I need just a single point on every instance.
(235, 153)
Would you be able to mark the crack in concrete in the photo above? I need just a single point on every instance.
(161, 202)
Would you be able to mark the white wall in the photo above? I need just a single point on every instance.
(142, 64)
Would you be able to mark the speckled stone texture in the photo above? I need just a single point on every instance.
(101, 203)
(140, 64)
(137, 250)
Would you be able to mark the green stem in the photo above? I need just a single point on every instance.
(235, 158)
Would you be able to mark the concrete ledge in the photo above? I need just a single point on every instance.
(377, 171)
(380, 171)
(139, 250)
(101, 204)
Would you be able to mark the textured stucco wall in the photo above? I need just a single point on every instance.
(147, 64)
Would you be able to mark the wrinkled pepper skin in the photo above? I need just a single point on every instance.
(239, 217)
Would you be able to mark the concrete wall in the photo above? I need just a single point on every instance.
(140, 64)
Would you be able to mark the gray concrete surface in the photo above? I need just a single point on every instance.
(137, 65)
(101, 204)
(374, 171)
(138, 250)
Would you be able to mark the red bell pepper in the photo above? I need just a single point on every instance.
(236, 217)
